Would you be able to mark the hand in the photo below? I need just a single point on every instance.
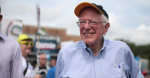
(37, 76)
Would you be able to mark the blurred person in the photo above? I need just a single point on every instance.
(95, 56)
(42, 68)
(26, 45)
(10, 57)
(51, 72)
(146, 74)
(53, 62)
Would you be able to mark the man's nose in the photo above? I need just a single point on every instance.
(29, 45)
(87, 26)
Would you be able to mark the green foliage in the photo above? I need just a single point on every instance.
(142, 51)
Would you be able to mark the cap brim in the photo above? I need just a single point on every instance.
(82, 5)
(26, 39)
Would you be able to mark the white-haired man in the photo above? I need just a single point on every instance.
(43, 67)
(95, 56)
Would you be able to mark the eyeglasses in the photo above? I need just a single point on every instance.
(91, 23)
(43, 59)
(27, 43)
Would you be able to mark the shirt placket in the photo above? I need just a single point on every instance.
(97, 67)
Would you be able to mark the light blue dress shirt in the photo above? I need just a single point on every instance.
(115, 60)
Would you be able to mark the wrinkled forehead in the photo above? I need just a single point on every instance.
(89, 9)
(90, 13)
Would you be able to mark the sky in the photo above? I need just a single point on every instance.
(129, 19)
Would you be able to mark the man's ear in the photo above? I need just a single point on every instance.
(106, 27)
(1, 16)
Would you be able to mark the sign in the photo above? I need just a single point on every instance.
(57, 38)
(46, 46)
(11, 28)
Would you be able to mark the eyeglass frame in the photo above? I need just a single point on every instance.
(25, 42)
(42, 59)
(89, 22)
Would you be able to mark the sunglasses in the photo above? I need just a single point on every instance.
(27, 43)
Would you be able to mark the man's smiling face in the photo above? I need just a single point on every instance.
(91, 34)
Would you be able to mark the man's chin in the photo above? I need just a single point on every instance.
(28, 51)
(88, 42)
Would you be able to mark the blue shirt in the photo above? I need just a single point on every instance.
(114, 60)
(51, 73)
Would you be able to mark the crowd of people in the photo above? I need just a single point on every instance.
(93, 57)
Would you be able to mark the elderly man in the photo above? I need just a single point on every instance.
(43, 67)
(26, 45)
(10, 57)
(95, 56)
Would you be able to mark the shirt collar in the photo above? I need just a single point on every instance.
(103, 48)
(104, 44)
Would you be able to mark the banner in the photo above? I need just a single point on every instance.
(45, 45)
(11, 28)
(57, 38)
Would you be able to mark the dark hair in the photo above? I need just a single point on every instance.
(53, 58)
(145, 74)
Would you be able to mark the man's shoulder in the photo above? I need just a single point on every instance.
(10, 41)
(52, 69)
(9, 45)
(115, 42)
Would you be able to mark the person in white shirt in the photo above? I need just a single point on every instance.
(26, 45)
(43, 67)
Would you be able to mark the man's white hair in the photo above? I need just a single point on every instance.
(104, 19)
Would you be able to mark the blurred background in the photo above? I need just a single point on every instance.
(129, 22)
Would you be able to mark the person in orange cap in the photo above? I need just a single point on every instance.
(95, 56)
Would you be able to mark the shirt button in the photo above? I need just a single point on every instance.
(97, 73)
(88, 54)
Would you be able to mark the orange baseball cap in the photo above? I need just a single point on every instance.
(83, 5)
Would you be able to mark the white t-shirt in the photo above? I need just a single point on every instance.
(30, 72)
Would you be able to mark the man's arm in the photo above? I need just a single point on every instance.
(16, 70)
(133, 71)
(59, 65)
